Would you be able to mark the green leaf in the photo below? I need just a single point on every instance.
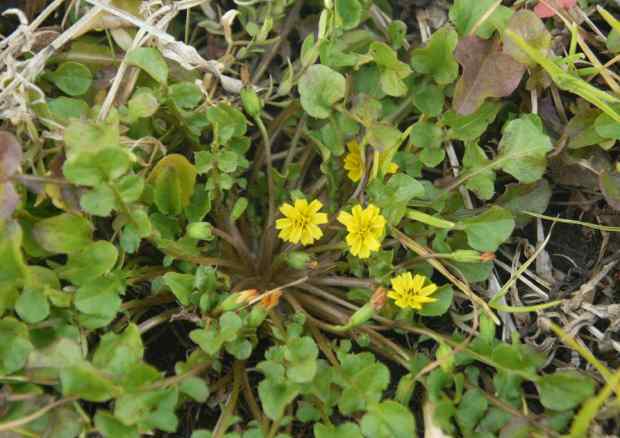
(301, 354)
(195, 387)
(350, 12)
(394, 196)
(320, 88)
(110, 427)
(275, 396)
(91, 169)
(444, 300)
(142, 104)
(130, 188)
(345, 430)
(182, 286)
(116, 353)
(428, 98)
(437, 57)
(388, 419)
(88, 383)
(581, 129)
(15, 345)
(472, 126)
(240, 348)
(72, 78)
(185, 95)
(174, 177)
(523, 149)
(227, 161)
(239, 208)
(100, 296)
(533, 197)
(483, 183)
(487, 231)
(230, 121)
(607, 127)
(87, 136)
(11, 259)
(393, 71)
(149, 409)
(609, 182)
(64, 234)
(150, 60)
(471, 409)
(65, 108)
(32, 305)
(362, 379)
(564, 390)
(382, 136)
(466, 13)
(99, 201)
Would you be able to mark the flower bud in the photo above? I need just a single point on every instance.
(378, 299)
(487, 256)
(271, 300)
(298, 259)
(200, 231)
(236, 300)
(251, 101)
(465, 256)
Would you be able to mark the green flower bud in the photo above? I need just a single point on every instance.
(298, 259)
(465, 256)
(200, 231)
(251, 101)
(236, 300)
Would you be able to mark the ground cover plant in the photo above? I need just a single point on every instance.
(309, 218)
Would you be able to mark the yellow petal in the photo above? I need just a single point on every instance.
(346, 219)
(428, 290)
(319, 218)
(283, 223)
(288, 210)
(315, 206)
(418, 282)
(301, 205)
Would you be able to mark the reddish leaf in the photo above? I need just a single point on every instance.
(8, 200)
(543, 10)
(10, 155)
(487, 72)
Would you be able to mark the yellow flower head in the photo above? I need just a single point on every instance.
(410, 292)
(365, 227)
(301, 222)
(354, 165)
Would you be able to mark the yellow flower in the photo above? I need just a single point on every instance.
(365, 227)
(353, 162)
(410, 292)
(301, 222)
(354, 165)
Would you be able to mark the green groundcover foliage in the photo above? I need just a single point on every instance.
(289, 218)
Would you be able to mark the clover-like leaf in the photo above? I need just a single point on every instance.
(490, 229)
(64, 233)
(437, 58)
(150, 60)
(320, 87)
(388, 419)
(487, 72)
